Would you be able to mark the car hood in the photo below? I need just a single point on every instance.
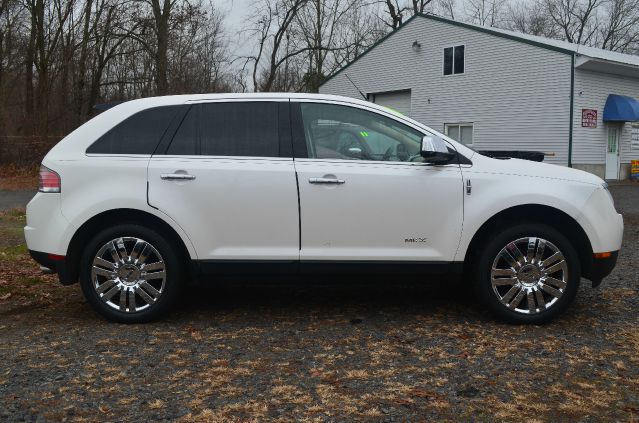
(529, 168)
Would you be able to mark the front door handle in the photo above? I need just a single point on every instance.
(325, 181)
(177, 177)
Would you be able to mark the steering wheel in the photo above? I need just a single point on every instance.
(388, 154)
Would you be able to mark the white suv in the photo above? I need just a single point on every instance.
(157, 191)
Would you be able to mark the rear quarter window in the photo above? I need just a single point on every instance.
(137, 134)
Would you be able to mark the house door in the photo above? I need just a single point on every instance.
(612, 152)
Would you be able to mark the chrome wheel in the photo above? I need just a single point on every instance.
(128, 274)
(529, 275)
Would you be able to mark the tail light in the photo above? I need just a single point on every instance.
(49, 181)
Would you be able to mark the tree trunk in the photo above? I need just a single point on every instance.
(162, 16)
(81, 106)
(28, 72)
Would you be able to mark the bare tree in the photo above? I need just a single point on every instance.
(397, 11)
(574, 18)
(270, 24)
(620, 30)
(485, 12)
(530, 18)
(48, 23)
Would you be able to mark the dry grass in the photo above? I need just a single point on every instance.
(13, 178)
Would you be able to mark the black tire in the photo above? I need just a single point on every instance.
(173, 267)
(482, 267)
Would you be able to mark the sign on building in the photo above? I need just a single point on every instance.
(589, 118)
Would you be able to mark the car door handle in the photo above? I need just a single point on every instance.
(325, 181)
(177, 177)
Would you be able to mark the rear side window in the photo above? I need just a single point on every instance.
(229, 129)
(137, 134)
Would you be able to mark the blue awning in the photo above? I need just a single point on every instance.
(621, 108)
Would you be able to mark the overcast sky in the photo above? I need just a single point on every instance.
(234, 12)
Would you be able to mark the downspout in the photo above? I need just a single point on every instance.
(572, 107)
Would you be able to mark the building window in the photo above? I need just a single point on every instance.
(462, 132)
(634, 136)
(453, 60)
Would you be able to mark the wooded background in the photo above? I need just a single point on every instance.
(59, 58)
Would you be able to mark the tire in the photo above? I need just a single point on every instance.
(147, 273)
(537, 285)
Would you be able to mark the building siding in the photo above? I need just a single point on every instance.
(517, 95)
(396, 100)
(591, 92)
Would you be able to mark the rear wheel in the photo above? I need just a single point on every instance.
(528, 273)
(130, 274)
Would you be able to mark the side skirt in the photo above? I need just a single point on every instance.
(311, 269)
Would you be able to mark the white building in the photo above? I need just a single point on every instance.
(500, 90)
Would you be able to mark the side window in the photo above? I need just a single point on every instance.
(229, 129)
(137, 134)
(342, 132)
(462, 132)
(454, 60)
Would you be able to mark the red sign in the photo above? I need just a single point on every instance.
(589, 118)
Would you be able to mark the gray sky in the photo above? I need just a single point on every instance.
(235, 12)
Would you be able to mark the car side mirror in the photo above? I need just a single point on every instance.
(435, 151)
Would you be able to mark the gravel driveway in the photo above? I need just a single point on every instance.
(391, 352)
(13, 199)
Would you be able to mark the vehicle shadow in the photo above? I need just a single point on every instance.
(355, 298)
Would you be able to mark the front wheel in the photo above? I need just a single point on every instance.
(527, 273)
(130, 274)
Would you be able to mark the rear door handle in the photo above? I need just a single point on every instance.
(177, 177)
(325, 181)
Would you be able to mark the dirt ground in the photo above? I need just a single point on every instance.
(391, 352)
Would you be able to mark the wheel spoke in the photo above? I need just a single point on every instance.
(103, 272)
(509, 259)
(553, 259)
(541, 247)
(122, 250)
(540, 299)
(151, 276)
(158, 265)
(150, 290)
(531, 302)
(99, 261)
(114, 253)
(137, 249)
(504, 281)
(510, 294)
(530, 255)
(555, 282)
(555, 267)
(123, 300)
(106, 285)
(110, 293)
(502, 272)
(144, 254)
(514, 250)
(132, 300)
(515, 302)
(550, 290)
(146, 297)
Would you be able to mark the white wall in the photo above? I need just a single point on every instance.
(517, 95)
(591, 92)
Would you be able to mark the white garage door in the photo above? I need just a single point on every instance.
(396, 100)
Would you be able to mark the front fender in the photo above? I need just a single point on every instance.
(494, 193)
